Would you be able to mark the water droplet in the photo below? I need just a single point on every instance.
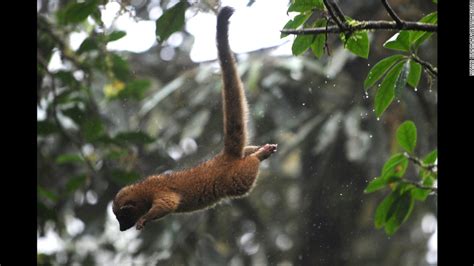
(303, 104)
(370, 136)
(340, 194)
(334, 85)
(325, 82)
(398, 101)
(416, 89)
(378, 118)
(368, 65)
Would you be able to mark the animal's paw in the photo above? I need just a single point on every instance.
(265, 151)
(141, 224)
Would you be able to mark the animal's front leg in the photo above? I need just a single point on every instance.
(159, 209)
(153, 214)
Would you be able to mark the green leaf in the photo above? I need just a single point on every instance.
(386, 93)
(116, 35)
(382, 209)
(400, 41)
(379, 69)
(46, 127)
(92, 129)
(66, 77)
(376, 184)
(431, 157)
(420, 194)
(428, 180)
(75, 182)
(135, 89)
(380, 182)
(75, 113)
(77, 12)
(120, 68)
(69, 158)
(171, 21)
(87, 45)
(97, 16)
(358, 43)
(133, 137)
(301, 44)
(320, 40)
(399, 212)
(305, 5)
(117, 154)
(402, 79)
(295, 23)
(47, 194)
(418, 37)
(395, 166)
(435, 1)
(406, 136)
(415, 74)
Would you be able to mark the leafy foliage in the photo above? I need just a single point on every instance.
(358, 43)
(397, 206)
(305, 5)
(171, 21)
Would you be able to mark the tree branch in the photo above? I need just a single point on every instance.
(431, 69)
(418, 185)
(392, 13)
(430, 167)
(366, 25)
(338, 19)
(338, 11)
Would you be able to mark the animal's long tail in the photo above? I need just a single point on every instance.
(234, 101)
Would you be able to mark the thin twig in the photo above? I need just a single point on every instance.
(431, 69)
(420, 186)
(326, 45)
(366, 25)
(338, 12)
(392, 13)
(430, 167)
(339, 23)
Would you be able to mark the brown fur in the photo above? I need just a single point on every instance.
(232, 173)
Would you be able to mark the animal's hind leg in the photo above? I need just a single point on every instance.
(261, 152)
(250, 149)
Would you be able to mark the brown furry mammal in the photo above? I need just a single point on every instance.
(232, 173)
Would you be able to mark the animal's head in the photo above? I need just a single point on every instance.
(128, 206)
